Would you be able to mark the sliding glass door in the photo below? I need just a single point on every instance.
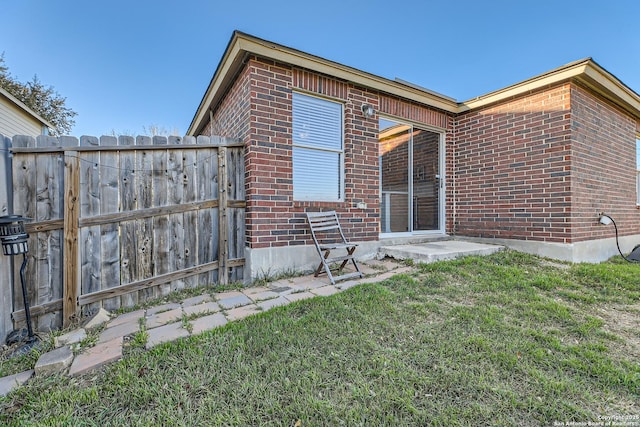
(411, 183)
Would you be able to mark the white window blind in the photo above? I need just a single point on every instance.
(317, 149)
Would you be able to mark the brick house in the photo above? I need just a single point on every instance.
(530, 166)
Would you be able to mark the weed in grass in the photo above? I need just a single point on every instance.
(186, 324)
(265, 277)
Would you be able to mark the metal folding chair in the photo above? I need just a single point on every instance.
(327, 235)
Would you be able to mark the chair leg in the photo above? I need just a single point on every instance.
(349, 252)
(323, 265)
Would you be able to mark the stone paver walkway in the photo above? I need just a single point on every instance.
(192, 316)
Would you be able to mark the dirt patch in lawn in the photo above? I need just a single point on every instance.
(624, 322)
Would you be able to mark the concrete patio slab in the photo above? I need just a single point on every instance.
(438, 251)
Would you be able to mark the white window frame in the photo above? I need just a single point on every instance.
(309, 147)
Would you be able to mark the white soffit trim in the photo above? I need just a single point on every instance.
(534, 83)
(586, 71)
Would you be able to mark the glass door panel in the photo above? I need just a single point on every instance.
(411, 183)
(426, 180)
(394, 149)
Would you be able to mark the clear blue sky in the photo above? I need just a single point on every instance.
(125, 64)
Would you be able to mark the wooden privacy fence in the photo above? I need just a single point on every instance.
(117, 221)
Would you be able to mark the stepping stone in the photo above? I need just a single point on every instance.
(126, 317)
(367, 269)
(164, 317)
(260, 294)
(160, 308)
(242, 312)
(7, 384)
(280, 288)
(200, 299)
(234, 301)
(208, 323)
(54, 361)
(101, 317)
(205, 308)
(325, 291)
(306, 285)
(347, 284)
(166, 333)
(298, 296)
(97, 356)
(72, 337)
(120, 330)
(274, 302)
(227, 294)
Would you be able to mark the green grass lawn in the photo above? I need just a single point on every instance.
(508, 339)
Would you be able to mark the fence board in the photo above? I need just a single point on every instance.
(71, 256)
(207, 178)
(6, 207)
(223, 238)
(144, 227)
(45, 200)
(24, 203)
(110, 249)
(236, 213)
(190, 219)
(175, 195)
(91, 253)
(162, 257)
(128, 202)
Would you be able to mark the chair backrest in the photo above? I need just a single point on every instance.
(325, 226)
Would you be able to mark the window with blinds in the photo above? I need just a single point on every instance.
(317, 149)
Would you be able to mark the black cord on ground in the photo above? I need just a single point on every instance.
(617, 243)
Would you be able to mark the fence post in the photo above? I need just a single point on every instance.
(71, 255)
(6, 208)
(223, 197)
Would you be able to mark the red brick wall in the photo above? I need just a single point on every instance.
(604, 167)
(537, 167)
(231, 118)
(258, 109)
(513, 169)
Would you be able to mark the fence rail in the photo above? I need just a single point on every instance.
(117, 221)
